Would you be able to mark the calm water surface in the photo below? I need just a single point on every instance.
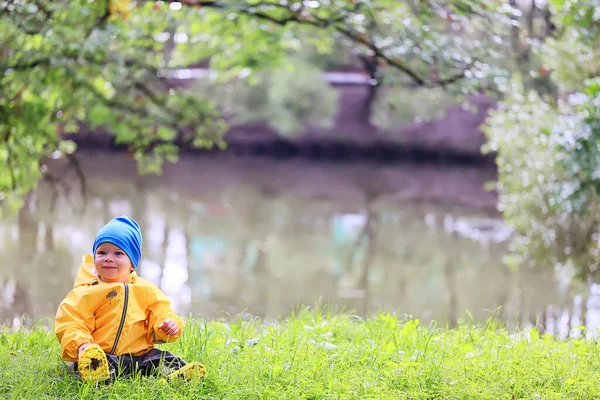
(225, 235)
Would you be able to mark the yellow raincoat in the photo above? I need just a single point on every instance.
(120, 317)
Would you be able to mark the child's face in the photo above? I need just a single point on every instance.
(112, 263)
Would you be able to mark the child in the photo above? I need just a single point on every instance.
(111, 320)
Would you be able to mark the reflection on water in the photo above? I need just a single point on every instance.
(232, 235)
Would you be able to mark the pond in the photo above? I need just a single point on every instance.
(226, 235)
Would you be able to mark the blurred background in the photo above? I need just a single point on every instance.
(424, 158)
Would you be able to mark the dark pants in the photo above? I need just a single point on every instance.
(154, 362)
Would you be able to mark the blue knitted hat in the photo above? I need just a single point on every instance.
(124, 232)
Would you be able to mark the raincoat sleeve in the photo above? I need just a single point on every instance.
(159, 310)
(73, 325)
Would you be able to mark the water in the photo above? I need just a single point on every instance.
(225, 235)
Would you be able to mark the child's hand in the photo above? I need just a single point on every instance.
(82, 348)
(169, 327)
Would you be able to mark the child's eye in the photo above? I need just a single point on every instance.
(101, 253)
(118, 253)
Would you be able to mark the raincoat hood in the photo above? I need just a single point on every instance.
(87, 275)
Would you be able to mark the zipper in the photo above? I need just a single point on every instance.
(112, 351)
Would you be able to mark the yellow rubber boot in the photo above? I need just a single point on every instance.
(93, 365)
(189, 371)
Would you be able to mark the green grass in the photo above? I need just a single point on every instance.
(321, 355)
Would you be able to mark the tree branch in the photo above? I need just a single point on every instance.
(102, 18)
(357, 38)
(296, 16)
(74, 162)
(27, 65)
(9, 149)
(28, 31)
(76, 56)
(52, 182)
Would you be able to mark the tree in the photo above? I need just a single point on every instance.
(105, 63)
(548, 146)
(68, 62)
(288, 99)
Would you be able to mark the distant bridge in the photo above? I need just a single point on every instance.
(331, 77)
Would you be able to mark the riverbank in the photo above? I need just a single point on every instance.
(454, 139)
(322, 355)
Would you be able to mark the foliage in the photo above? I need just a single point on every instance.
(288, 99)
(526, 160)
(571, 61)
(398, 106)
(584, 15)
(548, 151)
(299, 99)
(92, 62)
(68, 65)
(317, 354)
(104, 64)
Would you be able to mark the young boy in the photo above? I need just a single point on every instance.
(111, 320)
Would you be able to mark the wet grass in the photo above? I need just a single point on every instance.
(322, 355)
